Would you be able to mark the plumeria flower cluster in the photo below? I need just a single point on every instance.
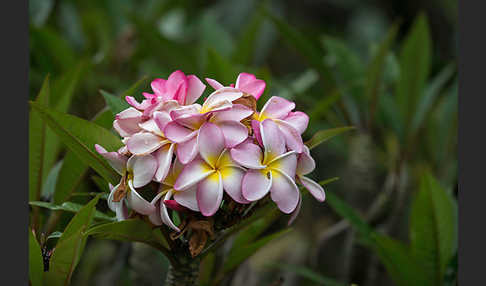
(197, 152)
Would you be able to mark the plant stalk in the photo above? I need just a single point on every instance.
(184, 273)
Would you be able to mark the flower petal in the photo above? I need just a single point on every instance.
(248, 83)
(256, 184)
(140, 106)
(244, 79)
(210, 141)
(109, 200)
(150, 126)
(234, 132)
(248, 155)
(221, 99)
(192, 173)
(272, 140)
(187, 151)
(164, 159)
(144, 143)
(161, 119)
(210, 194)
(305, 163)
(299, 120)
(284, 192)
(232, 177)
(137, 203)
(121, 210)
(117, 161)
(286, 163)
(187, 198)
(237, 112)
(155, 217)
(195, 89)
(143, 168)
(277, 108)
(255, 125)
(293, 140)
(214, 84)
(178, 133)
(314, 188)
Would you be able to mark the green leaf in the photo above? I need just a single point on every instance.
(80, 136)
(322, 106)
(132, 89)
(306, 48)
(433, 228)
(430, 94)
(324, 135)
(415, 66)
(241, 254)
(50, 184)
(126, 230)
(376, 68)
(307, 273)
(61, 96)
(36, 264)
(70, 246)
(70, 207)
(115, 103)
(55, 234)
(37, 133)
(220, 67)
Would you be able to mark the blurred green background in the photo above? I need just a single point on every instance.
(344, 62)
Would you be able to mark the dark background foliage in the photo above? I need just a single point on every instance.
(109, 45)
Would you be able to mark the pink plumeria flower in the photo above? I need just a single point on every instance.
(186, 198)
(151, 140)
(212, 172)
(218, 109)
(183, 89)
(245, 82)
(271, 171)
(291, 124)
(136, 172)
(127, 122)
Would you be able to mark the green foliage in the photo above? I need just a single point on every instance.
(415, 68)
(433, 236)
(70, 207)
(36, 264)
(80, 136)
(324, 135)
(70, 246)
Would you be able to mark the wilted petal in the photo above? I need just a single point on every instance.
(187, 198)
(232, 177)
(187, 151)
(284, 192)
(195, 89)
(117, 161)
(164, 159)
(305, 163)
(210, 194)
(256, 184)
(144, 143)
(210, 142)
(143, 168)
(285, 163)
(272, 139)
(214, 84)
(234, 132)
(248, 155)
(277, 108)
(192, 173)
(178, 133)
(237, 112)
(137, 203)
(293, 140)
(314, 188)
(299, 120)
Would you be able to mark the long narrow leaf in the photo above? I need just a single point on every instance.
(80, 136)
(324, 135)
(307, 273)
(70, 207)
(36, 264)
